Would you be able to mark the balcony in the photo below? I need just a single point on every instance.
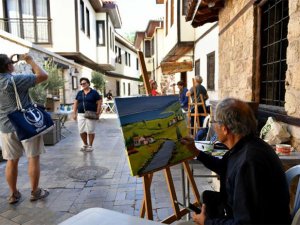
(37, 31)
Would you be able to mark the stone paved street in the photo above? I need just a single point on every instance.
(78, 180)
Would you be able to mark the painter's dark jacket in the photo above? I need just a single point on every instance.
(253, 184)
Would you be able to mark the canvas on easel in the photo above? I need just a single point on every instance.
(152, 128)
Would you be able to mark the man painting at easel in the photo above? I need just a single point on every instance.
(253, 188)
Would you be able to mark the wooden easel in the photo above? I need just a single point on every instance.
(194, 104)
(144, 72)
(146, 207)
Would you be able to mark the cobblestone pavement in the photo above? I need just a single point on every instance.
(78, 180)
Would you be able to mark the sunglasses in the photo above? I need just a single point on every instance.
(83, 83)
(215, 121)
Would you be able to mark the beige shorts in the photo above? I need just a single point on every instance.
(12, 148)
(86, 125)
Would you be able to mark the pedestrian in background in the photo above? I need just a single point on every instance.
(109, 95)
(12, 148)
(200, 90)
(153, 86)
(182, 95)
(87, 99)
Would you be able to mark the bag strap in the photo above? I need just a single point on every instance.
(83, 100)
(19, 104)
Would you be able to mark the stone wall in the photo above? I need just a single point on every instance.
(236, 51)
(292, 96)
(237, 57)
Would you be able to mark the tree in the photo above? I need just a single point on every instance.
(50, 86)
(98, 81)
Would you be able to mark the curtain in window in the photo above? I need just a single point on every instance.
(101, 34)
(28, 23)
(42, 20)
(13, 15)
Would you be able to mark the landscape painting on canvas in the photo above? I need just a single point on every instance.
(152, 128)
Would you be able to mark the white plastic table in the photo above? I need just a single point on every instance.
(110, 105)
(97, 216)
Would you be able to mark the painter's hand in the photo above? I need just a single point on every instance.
(190, 143)
(200, 218)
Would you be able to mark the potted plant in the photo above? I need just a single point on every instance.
(46, 93)
(48, 88)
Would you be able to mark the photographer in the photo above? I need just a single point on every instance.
(12, 148)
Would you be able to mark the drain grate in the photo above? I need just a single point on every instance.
(86, 173)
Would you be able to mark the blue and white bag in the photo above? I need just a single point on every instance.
(31, 121)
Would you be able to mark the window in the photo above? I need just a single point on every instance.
(211, 71)
(74, 83)
(197, 67)
(126, 58)
(129, 89)
(82, 24)
(124, 91)
(113, 42)
(120, 56)
(129, 64)
(116, 52)
(147, 48)
(118, 88)
(137, 64)
(87, 12)
(28, 19)
(167, 17)
(152, 46)
(172, 12)
(273, 47)
(185, 5)
(110, 38)
(100, 30)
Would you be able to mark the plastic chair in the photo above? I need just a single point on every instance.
(296, 219)
(291, 173)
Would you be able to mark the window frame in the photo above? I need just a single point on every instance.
(259, 70)
(82, 18)
(88, 28)
(35, 22)
(172, 12)
(211, 74)
(197, 67)
(167, 18)
(102, 23)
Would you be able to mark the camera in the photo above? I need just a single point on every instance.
(17, 57)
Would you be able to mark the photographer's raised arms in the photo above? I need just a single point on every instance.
(12, 147)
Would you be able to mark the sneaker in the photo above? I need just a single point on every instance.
(89, 149)
(39, 194)
(14, 198)
(83, 148)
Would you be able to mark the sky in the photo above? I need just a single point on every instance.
(135, 14)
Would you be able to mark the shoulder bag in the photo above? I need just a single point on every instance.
(89, 114)
(31, 121)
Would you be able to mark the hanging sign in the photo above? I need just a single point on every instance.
(176, 67)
